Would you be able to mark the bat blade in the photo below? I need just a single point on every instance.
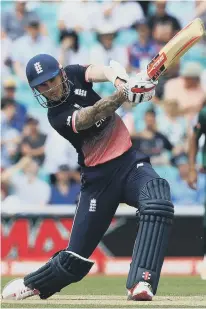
(175, 48)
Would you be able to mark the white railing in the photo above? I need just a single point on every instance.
(123, 210)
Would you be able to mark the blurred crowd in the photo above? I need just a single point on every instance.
(40, 167)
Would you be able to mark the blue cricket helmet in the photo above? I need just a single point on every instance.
(41, 68)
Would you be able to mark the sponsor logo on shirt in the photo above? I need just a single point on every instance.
(80, 92)
(77, 106)
(100, 122)
(140, 164)
(69, 120)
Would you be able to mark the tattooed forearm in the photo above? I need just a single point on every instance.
(88, 116)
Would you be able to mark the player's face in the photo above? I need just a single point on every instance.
(191, 82)
(143, 31)
(20, 6)
(9, 92)
(32, 169)
(160, 7)
(63, 176)
(33, 31)
(107, 40)
(52, 89)
(150, 121)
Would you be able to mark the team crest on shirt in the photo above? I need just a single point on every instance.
(81, 92)
(93, 205)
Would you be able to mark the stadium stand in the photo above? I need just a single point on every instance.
(48, 18)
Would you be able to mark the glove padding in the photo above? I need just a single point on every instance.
(115, 70)
(139, 89)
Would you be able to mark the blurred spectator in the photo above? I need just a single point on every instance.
(186, 90)
(172, 125)
(70, 50)
(161, 17)
(34, 141)
(29, 45)
(10, 137)
(196, 54)
(162, 33)
(181, 193)
(106, 49)
(22, 38)
(14, 22)
(200, 11)
(77, 15)
(203, 80)
(9, 91)
(61, 155)
(143, 50)
(64, 191)
(183, 10)
(6, 44)
(145, 6)
(121, 13)
(4, 189)
(25, 184)
(152, 142)
(92, 14)
(162, 25)
(172, 72)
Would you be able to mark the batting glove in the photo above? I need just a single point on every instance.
(139, 89)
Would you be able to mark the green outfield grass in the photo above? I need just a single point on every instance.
(100, 291)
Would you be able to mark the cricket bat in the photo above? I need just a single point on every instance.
(175, 48)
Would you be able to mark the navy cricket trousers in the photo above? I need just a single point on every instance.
(103, 188)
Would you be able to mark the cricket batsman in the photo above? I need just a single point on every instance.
(199, 130)
(112, 172)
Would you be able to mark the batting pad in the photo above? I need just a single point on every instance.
(156, 218)
(64, 268)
